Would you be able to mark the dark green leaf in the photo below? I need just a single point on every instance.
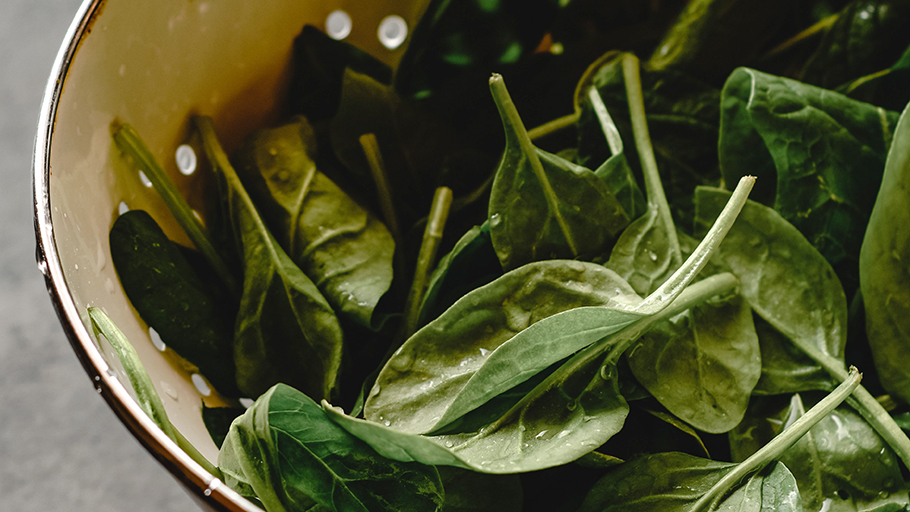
(544, 207)
(883, 270)
(784, 368)
(784, 278)
(169, 295)
(469, 491)
(702, 364)
(822, 151)
(285, 330)
(470, 264)
(672, 482)
(286, 452)
(319, 64)
(345, 249)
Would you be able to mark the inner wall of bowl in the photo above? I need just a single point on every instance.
(153, 65)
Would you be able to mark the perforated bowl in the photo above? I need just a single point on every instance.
(153, 65)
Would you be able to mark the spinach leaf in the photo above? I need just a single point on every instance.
(285, 330)
(789, 284)
(821, 154)
(841, 464)
(542, 206)
(886, 87)
(173, 299)
(784, 278)
(318, 68)
(866, 36)
(702, 364)
(218, 421)
(287, 453)
(470, 264)
(784, 368)
(345, 249)
(883, 273)
(425, 375)
(673, 481)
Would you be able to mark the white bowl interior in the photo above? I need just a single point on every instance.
(153, 65)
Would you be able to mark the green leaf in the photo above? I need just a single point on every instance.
(784, 368)
(784, 278)
(285, 330)
(173, 299)
(473, 352)
(218, 421)
(883, 271)
(841, 464)
(544, 207)
(285, 451)
(318, 71)
(673, 481)
(345, 249)
(469, 491)
(470, 264)
(821, 154)
(701, 364)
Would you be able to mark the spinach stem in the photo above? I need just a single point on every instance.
(513, 124)
(146, 395)
(614, 141)
(432, 235)
(653, 186)
(370, 146)
(553, 126)
(783, 441)
(703, 252)
(128, 141)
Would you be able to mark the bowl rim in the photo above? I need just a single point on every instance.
(208, 491)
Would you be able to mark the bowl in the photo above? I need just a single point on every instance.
(154, 64)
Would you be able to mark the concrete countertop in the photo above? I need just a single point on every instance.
(61, 447)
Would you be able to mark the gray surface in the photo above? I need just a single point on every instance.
(61, 447)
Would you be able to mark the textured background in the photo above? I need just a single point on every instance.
(61, 447)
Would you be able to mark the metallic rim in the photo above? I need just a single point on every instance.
(208, 491)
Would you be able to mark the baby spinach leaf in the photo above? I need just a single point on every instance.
(285, 330)
(841, 464)
(318, 69)
(218, 421)
(784, 278)
(292, 457)
(345, 249)
(822, 152)
(673, 481)
(784, 368)
(883, 272)
(173, 299)
(544, 207)
(423, 378)
(470, 264)
(701, 364)
(789, 284)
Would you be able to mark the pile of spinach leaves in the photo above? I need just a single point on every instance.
(611, 317)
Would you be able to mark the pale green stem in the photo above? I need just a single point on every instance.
(426, 258)
(146, 395)
(128, 141)
(370, 146)
(614, 141)
(653, 186)
(553, 126)
(777, 446)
